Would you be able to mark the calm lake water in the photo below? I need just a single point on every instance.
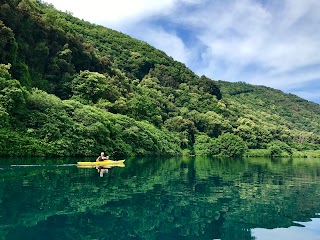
(167, 198)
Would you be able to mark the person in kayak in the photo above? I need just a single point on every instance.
(102, 157)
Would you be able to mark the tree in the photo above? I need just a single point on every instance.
(278, 149)
(90, 86)
(8, 45)
(185, 127)
(209, 86)
(204, 145)
(231, 145)
(4, 71)
(12, 95)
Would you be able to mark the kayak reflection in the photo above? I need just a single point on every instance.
(102, 170)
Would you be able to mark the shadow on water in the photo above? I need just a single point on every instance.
(157, 198)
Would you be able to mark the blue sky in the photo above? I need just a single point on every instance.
(263, 42)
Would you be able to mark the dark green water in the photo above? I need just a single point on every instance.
(151, 198)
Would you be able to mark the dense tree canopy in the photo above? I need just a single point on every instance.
(68, 87)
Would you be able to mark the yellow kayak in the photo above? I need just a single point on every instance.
(102, 163)
(111, 165)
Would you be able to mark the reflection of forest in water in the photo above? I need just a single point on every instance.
(175, 198)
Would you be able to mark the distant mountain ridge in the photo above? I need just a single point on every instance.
(69, 87)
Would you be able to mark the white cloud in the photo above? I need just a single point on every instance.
(167, 42)
(113, 12)
(248, 41)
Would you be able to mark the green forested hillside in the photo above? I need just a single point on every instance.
(68, 87)
(296, 120)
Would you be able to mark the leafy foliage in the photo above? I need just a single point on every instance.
(90, 86)
(231, 145)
